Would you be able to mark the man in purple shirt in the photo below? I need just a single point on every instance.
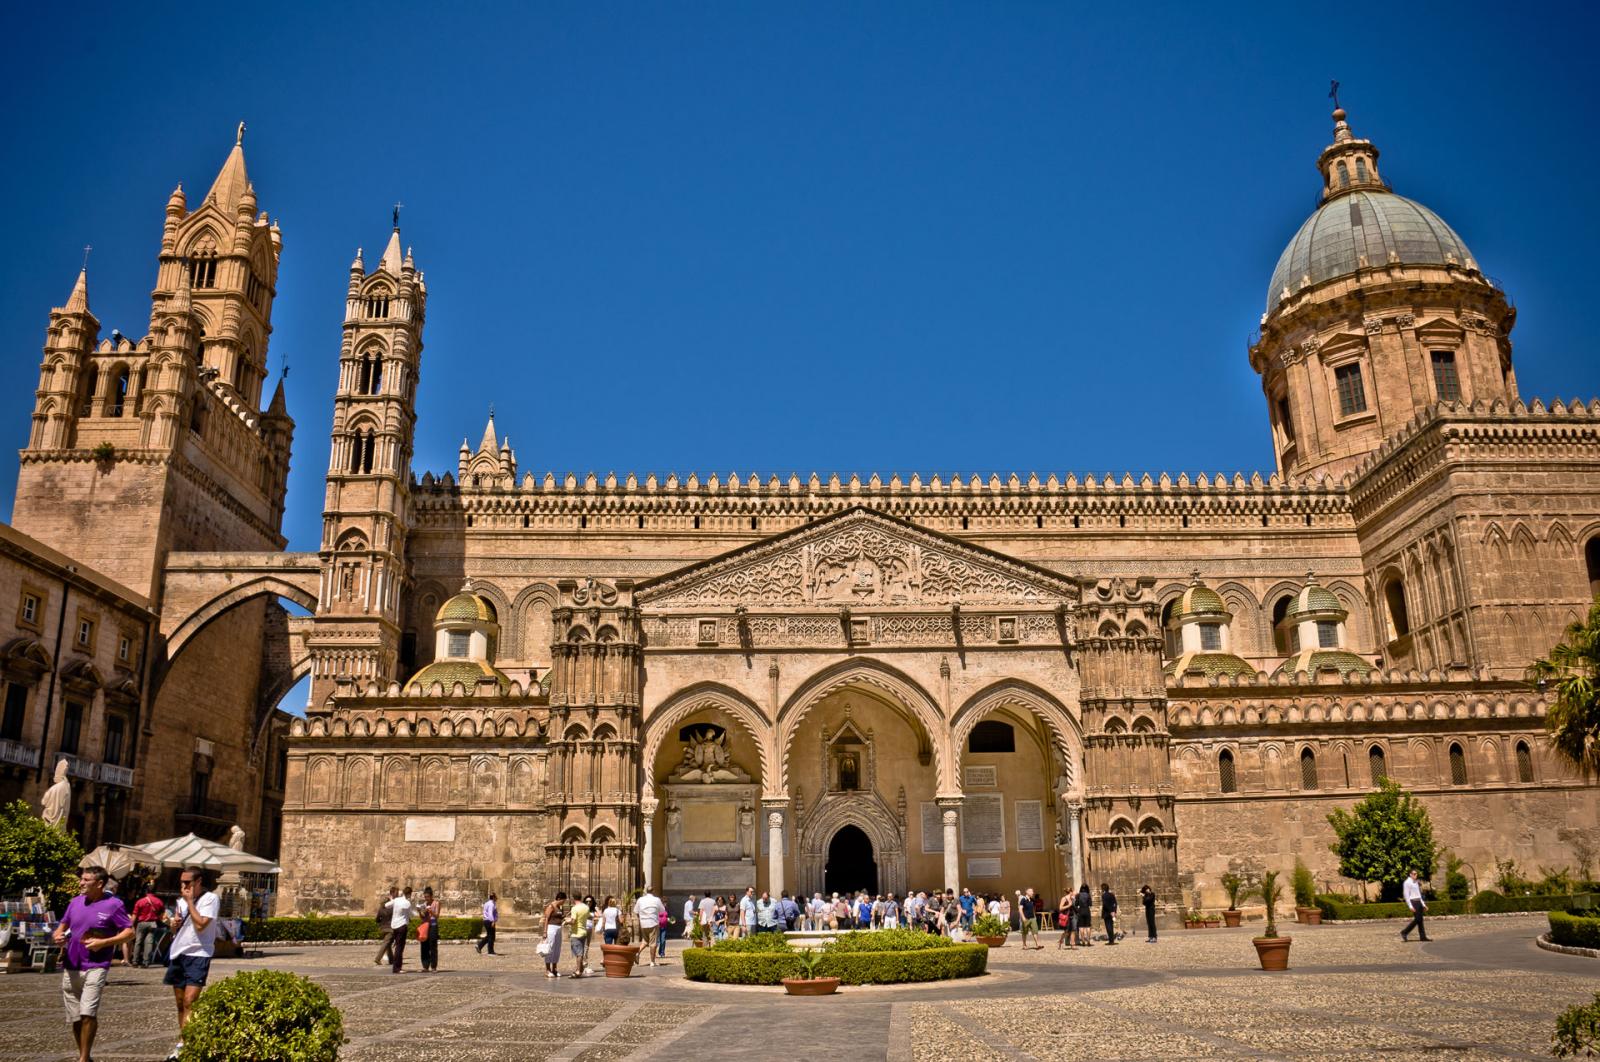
(95, 923)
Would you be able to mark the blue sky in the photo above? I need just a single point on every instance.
(753, 237)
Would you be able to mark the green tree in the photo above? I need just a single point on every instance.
(1572, 673)
(1384, 838)
(34, 854)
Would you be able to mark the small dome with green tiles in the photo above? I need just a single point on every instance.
(467, 672)
(1199, 600)
(1315, 599)
(1310, 661)
(1209, 664)
(466, 607)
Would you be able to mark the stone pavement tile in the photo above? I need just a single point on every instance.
(935, 1038)
(607, 1052)
(398, 1052)
(1525, 1035)
(1270, 1032)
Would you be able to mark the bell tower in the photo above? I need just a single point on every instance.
(357, 632)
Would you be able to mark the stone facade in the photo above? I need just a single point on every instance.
(524, 683)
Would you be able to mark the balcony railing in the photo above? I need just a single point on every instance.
(18, 753)
(112, 774)
(78, 767)
(209, 810)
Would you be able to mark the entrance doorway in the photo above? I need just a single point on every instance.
(851, 867)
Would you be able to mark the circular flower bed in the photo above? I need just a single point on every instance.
(887, 956)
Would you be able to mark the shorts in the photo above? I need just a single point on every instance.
(80, 991)
(187, 971)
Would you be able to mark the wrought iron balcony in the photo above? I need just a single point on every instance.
(18, 753)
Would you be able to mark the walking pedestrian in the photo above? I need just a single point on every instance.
(1414, 900)
(1085, 917)
(747, 913)
(491, 915)
(400, 910)
(554, 915)
(719, 919)
(94, 924)
(428, 930)
(1108, 912)
(649, 909)
(690, 906)
(1025, 922)
(610, 919)
(386, 937)
(578, 925)
(1148, 895)
(708, 914)
(147, 912)
(1067, 919)
(194, 941)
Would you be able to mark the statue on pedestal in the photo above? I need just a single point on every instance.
(57, 799)
(236, 838)
(706, 759)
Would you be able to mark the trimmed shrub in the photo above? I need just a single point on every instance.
(1575, 930)
(266, 1016)
(1487, 902)
(355, 927)
(853, 967)
(886, 940)
(1578, 1031)
(755, 942)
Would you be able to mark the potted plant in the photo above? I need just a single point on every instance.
(1271, 949)
(991, 930)
(810, 984)
(618, 958)
(1233, 885)
(700, 931)
(1306, 911)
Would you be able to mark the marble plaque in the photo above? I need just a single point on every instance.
(983, 868)
(710, 823)
(983, 823)
(932, 828)
(430, 827)
(984, 776)
(1030, 825)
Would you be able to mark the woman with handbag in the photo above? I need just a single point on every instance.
(428, 930)
(1067, 919)
(550, 949)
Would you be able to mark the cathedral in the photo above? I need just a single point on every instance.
(524, 681)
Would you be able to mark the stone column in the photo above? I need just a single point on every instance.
(647, 810)
(775, 812)
(1075, 844)
(952, 841)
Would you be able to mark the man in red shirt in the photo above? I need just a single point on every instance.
(147, 912)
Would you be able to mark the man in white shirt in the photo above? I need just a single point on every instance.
(649, 907)
(690, 906)
(747, 912)
(400, 909)
(708, 912)
(194, 941)
(491, 917)
(1414, 900)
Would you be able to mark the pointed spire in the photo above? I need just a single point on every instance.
(232, 180)
(489, 444)
(392, 258)
(177, 202)
(181, 300)
(280, 405)
(78, 301)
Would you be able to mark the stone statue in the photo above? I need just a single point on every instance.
(705, 759)
(849, 771)
(236, 838)
(58, 798)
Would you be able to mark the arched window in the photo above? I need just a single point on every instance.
(1169, 634)
(1458, 765)
(119, 393)
(1394, 598)
(1308, 769)
(361, 447)
(1344, 176)
(369, 374)
(1280, 632)
(1591, 556)
(1211, 637)
(1524, 763)
(1361, 168)
(1377, 765)
(1225, 772)
(991, 735)
(91, 382)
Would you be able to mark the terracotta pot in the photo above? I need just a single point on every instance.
(1308, 916)
(1212, 923)
(1233, 918)
(993, 942)
(1273, 952)
(618, 959)
(811, 986)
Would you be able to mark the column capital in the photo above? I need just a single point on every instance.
(775, 803)
(950, 800)
(648, 803)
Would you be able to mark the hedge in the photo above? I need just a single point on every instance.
(265, 1015)
(353, 927)
(1575, 930)
(851, 967)
(1486, 902)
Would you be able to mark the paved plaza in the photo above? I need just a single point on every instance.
(1480, 990)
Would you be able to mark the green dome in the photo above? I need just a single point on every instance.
(1198, 600)
(1314, 597)
(467, 672)
(1371, 224)
(466, 607)
(1209, 664)
(1313, 660)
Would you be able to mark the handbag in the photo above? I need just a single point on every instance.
(422, 930)
(543, 947)
(1061, 919)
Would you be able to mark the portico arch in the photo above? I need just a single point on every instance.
(1066, 734)
(891, 687)
(662, 724)
(872, 819)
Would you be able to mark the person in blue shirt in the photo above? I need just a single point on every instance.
(863, 912)
(968, 901)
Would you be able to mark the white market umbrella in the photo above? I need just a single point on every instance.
(118, 859)
(192, 851)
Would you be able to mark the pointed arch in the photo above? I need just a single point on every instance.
(663, 723)
(1064, 728)
(904, 694)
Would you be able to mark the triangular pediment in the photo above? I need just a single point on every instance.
(859, 557)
